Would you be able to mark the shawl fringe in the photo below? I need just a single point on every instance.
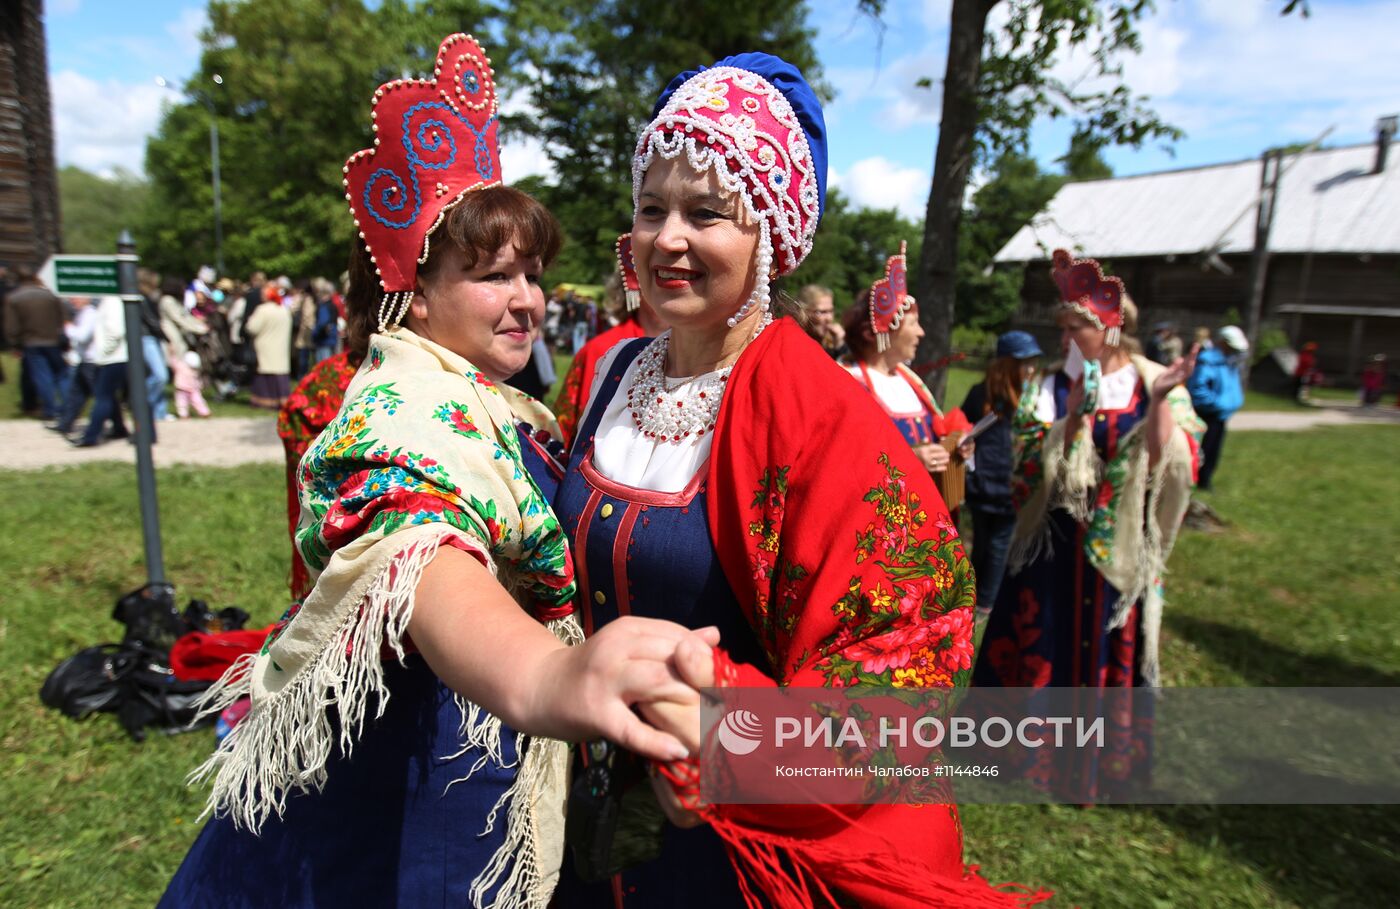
(283, 745)
(788, 873)
(521, 875)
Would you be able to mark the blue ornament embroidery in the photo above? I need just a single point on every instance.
(470, 82)
(434, 139)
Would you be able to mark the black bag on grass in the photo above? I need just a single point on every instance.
(133, 679)
(87, 682)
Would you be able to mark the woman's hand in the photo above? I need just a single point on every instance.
(934, 457)
(966, 449)
(693, 662)
(590, 689)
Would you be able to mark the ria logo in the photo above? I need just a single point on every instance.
(740, 732)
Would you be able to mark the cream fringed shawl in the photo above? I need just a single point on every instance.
(423, 453)
(1131, 511)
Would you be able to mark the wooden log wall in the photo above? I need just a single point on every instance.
(29, 216)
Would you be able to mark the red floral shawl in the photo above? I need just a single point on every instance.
(308, 410)
(844, 560)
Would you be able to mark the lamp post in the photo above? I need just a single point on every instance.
(208, 102)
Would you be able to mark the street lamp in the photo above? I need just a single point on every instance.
(217, 79)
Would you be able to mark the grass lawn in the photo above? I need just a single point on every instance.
(1301, 590)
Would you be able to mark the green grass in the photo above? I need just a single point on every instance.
(1301, 590)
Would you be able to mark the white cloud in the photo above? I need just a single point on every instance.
(185, 30)
(100, 126)
(879, 183)
(524, 157)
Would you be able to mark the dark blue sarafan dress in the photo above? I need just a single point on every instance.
(398, 824)
(640, 552)
(1050, 627)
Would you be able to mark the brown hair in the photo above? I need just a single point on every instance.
(860, 338)
(1003, 384)
(480, 224)
(1129, 343)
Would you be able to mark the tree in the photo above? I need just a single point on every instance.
(297, 76)
(1018, 188)
(851, 246)
(597, 68)
(995, 87)
(95, 209)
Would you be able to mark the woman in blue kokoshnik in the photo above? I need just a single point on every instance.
(406, 740)
(727, 473)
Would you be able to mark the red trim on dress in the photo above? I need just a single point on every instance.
(581, 564)
(621, 543)
(632, 494)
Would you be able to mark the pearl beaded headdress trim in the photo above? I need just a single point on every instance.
(739, 125)
(441, 145)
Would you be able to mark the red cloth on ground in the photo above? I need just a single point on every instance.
(201, 656)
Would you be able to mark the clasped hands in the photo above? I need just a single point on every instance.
(640, 680)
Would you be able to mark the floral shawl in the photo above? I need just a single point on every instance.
(424, 452)
(847, 566)
(1131, 512)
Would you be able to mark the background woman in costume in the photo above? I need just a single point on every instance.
(989, 485)
(1106, 460)
(378, 762)
(639, 321)
(883, 332)
(700, 490)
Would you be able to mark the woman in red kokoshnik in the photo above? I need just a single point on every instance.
(407, 739)
(729, 473)
(1106, 455)
(883, 332)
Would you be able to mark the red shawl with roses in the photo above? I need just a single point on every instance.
(847, 566)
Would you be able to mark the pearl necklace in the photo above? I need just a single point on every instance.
(674, 409)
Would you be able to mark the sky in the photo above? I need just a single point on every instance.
(1233, 74)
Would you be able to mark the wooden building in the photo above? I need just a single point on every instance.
(1183, 240)
(29, 218)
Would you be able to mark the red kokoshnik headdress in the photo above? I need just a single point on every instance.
(1085, 289)
(889, 299)
(435, 141)
(627, 270)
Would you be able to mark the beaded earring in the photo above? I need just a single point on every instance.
(393, 309)
(763, 275)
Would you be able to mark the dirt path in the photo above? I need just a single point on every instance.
(215, 442)
(229, 441)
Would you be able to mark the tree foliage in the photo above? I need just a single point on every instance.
(96, 209)
(293, 105)
(851, 247)
(596, 68)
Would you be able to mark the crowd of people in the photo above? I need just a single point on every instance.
(204, 335)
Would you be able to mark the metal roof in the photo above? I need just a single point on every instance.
(1328, 202)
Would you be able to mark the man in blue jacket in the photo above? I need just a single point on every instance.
(1216, 394)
